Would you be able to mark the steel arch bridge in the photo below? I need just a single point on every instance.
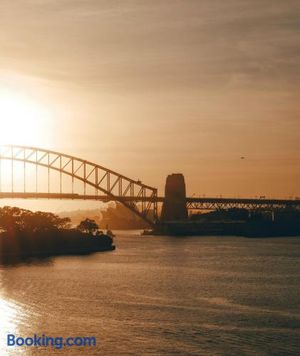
(109, 185)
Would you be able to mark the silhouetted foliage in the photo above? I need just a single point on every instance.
(233, 214)
(27, 233)
(237, 214)
(16, 219)
(88, 226)
(240, 222)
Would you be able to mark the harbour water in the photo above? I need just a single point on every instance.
(161, 296)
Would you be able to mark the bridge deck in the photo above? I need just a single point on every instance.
(192, 203)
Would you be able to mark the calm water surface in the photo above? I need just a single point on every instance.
(162, 296)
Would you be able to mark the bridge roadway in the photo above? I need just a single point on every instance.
(193, 203)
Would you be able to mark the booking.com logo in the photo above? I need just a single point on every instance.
(47, 341)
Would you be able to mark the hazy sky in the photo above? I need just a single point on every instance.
(153, 87)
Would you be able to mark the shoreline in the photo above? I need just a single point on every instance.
(23, 246)
(241, 229)
(12, 259)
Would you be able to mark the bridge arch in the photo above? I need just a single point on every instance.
(140, 198)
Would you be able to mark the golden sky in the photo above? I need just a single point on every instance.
(149, 88)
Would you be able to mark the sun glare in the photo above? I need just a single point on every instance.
(22, 120)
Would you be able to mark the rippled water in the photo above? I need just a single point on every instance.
(162, 296)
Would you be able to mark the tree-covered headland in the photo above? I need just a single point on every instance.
(24, 233)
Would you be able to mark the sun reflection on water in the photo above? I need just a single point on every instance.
(10, 318)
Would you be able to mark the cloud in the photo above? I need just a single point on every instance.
(160, 45)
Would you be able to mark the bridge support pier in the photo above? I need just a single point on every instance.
(174, 206)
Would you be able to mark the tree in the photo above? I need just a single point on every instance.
(16, 219)
(88, 226)
(42, 221)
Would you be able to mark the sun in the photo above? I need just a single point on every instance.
(22, 120)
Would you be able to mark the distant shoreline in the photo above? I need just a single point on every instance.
(242, 229)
